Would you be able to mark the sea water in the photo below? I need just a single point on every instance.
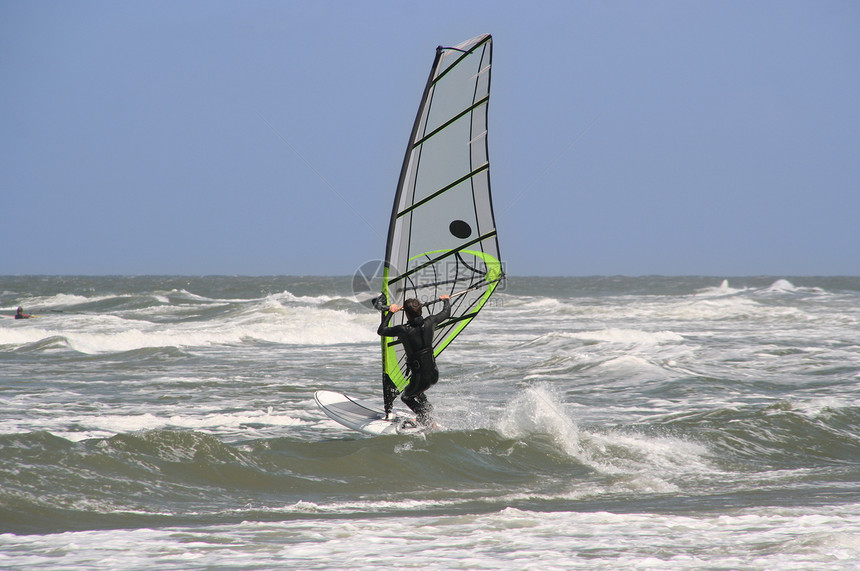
(591, 423)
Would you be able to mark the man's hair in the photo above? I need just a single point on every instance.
(412, 307)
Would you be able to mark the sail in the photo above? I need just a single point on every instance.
(442, 235)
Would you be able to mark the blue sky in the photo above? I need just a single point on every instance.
(666, 137)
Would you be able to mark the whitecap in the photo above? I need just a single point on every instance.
(638, 462)
(782, 285)
(629, 336)
(722, 290)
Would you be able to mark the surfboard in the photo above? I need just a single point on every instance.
(364, 416)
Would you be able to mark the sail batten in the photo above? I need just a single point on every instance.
(442, 237)
(452, 120)
(461, 180)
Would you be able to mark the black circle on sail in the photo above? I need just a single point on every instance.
(460, 229)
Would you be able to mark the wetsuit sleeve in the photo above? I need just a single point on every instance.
(444, 314)
(384, 329)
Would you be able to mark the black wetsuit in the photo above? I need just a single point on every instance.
(417, 338)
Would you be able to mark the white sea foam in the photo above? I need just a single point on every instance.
(638, 463)
(713, 309)
(19, 336)
(308, 299)
(626, 366)
(185, 294)
(94, 334)
(107, 425)
(629, 336)
(818, 408)
(60, 300)
(773, 538)
(782, 286)
(718, 291)
(539, 305)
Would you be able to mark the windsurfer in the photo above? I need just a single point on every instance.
(417, 338)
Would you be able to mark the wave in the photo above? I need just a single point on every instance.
(52, 484)
(786, 434)
(565, 341)
(278, 318)
(149, 470)
(629, 336)
(155, 470)
(780, 285)
(722, 290)
(635, 461)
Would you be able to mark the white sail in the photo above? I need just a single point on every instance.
(442, 236)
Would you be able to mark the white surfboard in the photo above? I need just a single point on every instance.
(364, 416)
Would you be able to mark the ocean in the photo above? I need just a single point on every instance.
(589, 423)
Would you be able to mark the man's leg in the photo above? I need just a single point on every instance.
(420, 406)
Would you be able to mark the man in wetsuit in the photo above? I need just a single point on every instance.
(20, 314)
(417, 338)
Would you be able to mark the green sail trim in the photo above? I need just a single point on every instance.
(445, 253)
(492, 278)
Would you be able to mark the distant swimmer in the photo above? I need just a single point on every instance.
(417, 338)
(21, 315)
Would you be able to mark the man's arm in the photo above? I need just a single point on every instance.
(446, 309)
(384, 329)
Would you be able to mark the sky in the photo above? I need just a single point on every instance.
(266, 138)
